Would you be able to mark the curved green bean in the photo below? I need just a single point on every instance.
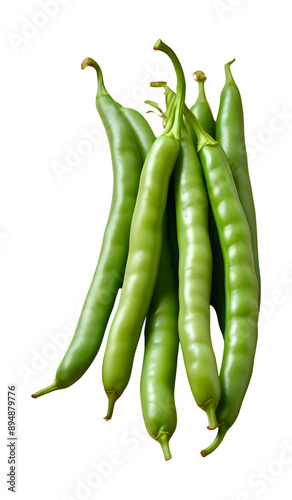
(141, 130)
(241, 286)
(108, 276)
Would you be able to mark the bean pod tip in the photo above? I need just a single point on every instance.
(112, 398)
(163, 440)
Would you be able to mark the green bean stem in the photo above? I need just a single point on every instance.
(201, 108)
(174, 127)
(163, 440)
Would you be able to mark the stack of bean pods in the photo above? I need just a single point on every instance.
(181, 236)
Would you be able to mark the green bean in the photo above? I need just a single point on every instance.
(109, 272)
(161, 335)
(144, 248)
(195, 275)
(195, 278)
(230, 134)
(141, 130)
(241, 286)
(160, 357)
(171, 217)
(201, 109)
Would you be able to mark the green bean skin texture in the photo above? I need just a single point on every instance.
(144, 248)
(241, 287)
(160, 356)
(195, 278)
(171, 217)
(161, 335)
(141, 269)
(230, 135)
(201, 108)
(109, 272)
(191, 131)
(141, 130)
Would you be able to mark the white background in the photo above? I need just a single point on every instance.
(51, 230)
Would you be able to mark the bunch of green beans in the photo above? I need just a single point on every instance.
(181, 236)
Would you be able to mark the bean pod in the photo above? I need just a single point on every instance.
(144, 249)
(230, 134)
(160, 356)
(241, 285)
(108, 276)
(202, 111)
